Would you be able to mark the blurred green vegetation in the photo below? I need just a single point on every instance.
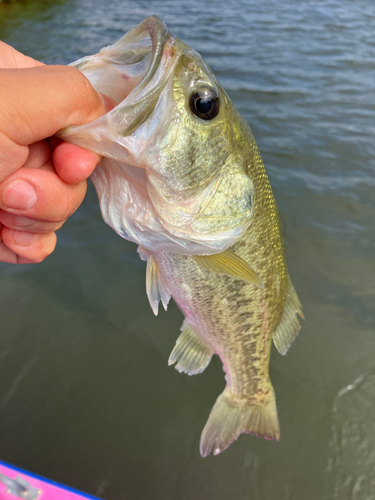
(15, 12)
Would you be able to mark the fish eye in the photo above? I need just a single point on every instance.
(204, 103)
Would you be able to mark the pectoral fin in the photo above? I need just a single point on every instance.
(155, 287)
(230, 264)
(289, 326)
(191, 352)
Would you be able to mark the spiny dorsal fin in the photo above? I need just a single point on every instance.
(155, 286)
(191, 352)
(289, 326)
(229, 263)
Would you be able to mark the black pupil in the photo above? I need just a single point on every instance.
(203, 106)
(204, 103)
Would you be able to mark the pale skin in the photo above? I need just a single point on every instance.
(42, 179)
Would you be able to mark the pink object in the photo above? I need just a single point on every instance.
(16, 483)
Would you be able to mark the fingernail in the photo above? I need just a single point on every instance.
(22, 221)
(19, 195)
(23, 239)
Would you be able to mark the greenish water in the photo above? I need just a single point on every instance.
(86, 397)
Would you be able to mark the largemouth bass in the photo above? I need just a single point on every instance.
(183, 178)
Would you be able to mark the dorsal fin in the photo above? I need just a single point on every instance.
(155, 287)
(191, 352)
(230, 264)
(289, 326)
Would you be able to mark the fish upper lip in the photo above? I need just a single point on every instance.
(159, 33)
(119, 54)
(140, 102)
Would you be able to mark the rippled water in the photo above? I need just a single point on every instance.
(86, 396)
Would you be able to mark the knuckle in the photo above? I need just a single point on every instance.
(45, 248)
(39, 250)
(73, 199)
(35, 260)
(86, 94)
(64, 207)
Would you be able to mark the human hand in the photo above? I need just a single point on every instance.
(42, 181)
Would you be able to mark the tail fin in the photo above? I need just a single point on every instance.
(229, 419)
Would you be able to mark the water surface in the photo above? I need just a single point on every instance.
(86, 396)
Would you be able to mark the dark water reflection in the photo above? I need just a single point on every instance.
(86, 397)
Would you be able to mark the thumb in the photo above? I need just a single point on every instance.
(36, 103)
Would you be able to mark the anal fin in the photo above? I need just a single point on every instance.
(191, 352)
(155, 286)
(289, 325)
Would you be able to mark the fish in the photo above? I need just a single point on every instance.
(182, 177)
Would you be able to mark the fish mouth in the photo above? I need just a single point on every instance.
(129, 64)
(132, 73)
